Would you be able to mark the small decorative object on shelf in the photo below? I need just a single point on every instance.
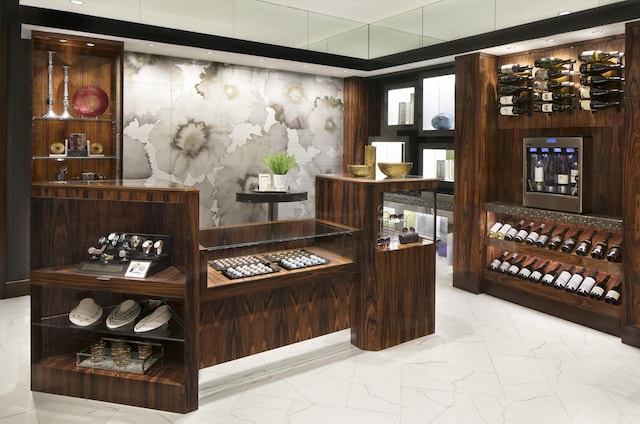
(280, 163)
(90, 101)
(77, 145)
(121, 355)
(65, 98)
(50, 113)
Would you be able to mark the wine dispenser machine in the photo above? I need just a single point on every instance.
(555, 173)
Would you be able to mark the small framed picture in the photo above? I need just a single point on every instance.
(264, 182)
(77, 145)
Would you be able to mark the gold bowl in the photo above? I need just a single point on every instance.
(395, 169)
(359, 170)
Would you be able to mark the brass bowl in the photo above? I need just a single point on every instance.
(359, 170)
(395, 169)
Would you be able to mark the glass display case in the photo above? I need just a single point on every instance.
(399, 110)
(438, 102)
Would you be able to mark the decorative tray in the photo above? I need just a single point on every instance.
(120, 355)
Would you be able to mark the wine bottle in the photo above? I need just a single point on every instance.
(550, 107)
(587, 284)
(584, 246)
(533, 235)
(614, 294)
(550, 276)
(599, 289)
(557, 240)
(562, 174)
(544, 238)
(513, 78)
(513, 110)
(538, 273)
(615, 253)
(495, 264)
(552, 62)
(592, 105)
(538, 175)
(509, 236)
(504, 266)
(525, 271)
(599, 68)
(571, 241)
(598, 56)
(551, 85)
(590, 80)
(575, 281)
(552, 96)
(512, 89)
(600, 248)
(494, 229)
(513, 68)
(515, 266)
(513, 100)
(550, 73)
(523, 233)
(591, 92)
(564, 278)
(503, 230)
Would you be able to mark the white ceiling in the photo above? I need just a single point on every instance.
(335, 26)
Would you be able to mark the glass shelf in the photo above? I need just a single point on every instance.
(73, 119)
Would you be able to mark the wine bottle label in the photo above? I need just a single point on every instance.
(613, 295)
(524, 273)
(585, 92)
(531, 238)
(563, 279)
(574, 176)
(547, 279)
(504, 266)
(597, 252)
(542, 240)
(522, 234)
(547, 96)
(585, 104)
(509, 111)
(503, 230)
(513, 269)
(563, 179)
(547, 107)
(574, 282)
(535, 276)
(538, 175)
(587, 285)
(495, 264)
(494, 228)
(506, 100)
(597, 291)
(511, 234)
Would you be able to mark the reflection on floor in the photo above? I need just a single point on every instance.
(488, 362)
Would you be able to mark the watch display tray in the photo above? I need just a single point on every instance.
(255, 265)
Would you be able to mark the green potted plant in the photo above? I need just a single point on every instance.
(279, 163)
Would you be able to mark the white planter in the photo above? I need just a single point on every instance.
(279, 182)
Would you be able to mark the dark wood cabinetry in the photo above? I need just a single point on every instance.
(94, 73)
(67, 218)
(489, 172)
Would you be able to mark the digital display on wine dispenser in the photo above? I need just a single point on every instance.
(553, 175)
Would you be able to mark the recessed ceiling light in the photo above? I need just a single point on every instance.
(91, 45)
(511, 47)
(76, 1)
(550, 40)
(150, 45)
(565, 12)
(209, 52)
(63, 40)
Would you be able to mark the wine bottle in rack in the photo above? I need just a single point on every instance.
(571, 242)
(503, 231)
(551, 275)
(525, 271)
(550, 107)
(599, 68)
(587, 284)
(545, 237)
(513, 68)
(591, 80)
(564, 277)
(593, 105)
(513, 78)
(599, 56)
(514, 110)
(614, 294)
(615, 253)
(533, 235)
(583, 248)
(513, 100)
(523, 233)
(552, 62)
(495, 264)
(504, 266)
(597, 92)
(575, 281)
(515, 266)
(552, 96)
(598, 291)
(494, 229)
(510, 235)
(553, 74)
(551, 85)
(600, 248)
(538, 273)
(557, 240)
(512, 89)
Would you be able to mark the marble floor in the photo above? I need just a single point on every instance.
(489, 361)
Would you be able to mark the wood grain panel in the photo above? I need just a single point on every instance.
(475, 132)
(361, 118)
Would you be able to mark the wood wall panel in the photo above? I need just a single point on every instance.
(475, 132)
(362, 100)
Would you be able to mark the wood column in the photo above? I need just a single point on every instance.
(361, 118)
(475, 129)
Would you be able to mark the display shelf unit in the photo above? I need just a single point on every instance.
(395, 300)
(583, 310)
(91, 63)
(244, 316)
(67, 218)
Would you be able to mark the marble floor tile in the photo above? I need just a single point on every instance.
(489, 361)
